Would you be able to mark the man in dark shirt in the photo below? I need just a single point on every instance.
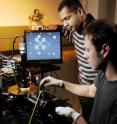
(100, 51)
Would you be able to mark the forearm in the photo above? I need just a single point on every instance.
(80, 90)
(77, 89)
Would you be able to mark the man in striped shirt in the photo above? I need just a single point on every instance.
(75, 20)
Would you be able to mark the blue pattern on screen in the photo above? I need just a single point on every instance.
(43, 45)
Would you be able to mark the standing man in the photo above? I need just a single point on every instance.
(100, 51)
(75, 21)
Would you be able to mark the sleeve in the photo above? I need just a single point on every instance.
(113, 115)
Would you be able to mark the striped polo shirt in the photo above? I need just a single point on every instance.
(86, 74)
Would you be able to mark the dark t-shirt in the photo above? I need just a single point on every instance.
(105, 103)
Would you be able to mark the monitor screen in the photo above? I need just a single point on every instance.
(43, 46)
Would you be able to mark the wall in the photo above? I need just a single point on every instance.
(7, 35)
(116, 13)
(14, 18)
(16, 12)
(107, 9)
(92, 7)
(103, 9)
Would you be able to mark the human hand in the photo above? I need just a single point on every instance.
(67, 112)
(49, 81)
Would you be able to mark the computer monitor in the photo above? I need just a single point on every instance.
(43, 47)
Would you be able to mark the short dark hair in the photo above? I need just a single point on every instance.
(104, 32)
(73, 5)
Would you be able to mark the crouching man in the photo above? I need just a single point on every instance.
(100, 52)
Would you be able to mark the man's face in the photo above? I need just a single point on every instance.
(70, 19)
(94, 58)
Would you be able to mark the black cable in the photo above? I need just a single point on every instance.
(14, 40)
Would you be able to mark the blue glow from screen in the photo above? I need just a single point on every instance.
(43, 45)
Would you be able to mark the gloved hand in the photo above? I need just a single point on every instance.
(67, 112)
(49, 81)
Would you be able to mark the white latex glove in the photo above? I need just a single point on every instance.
(67, 112)
(49, 81)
